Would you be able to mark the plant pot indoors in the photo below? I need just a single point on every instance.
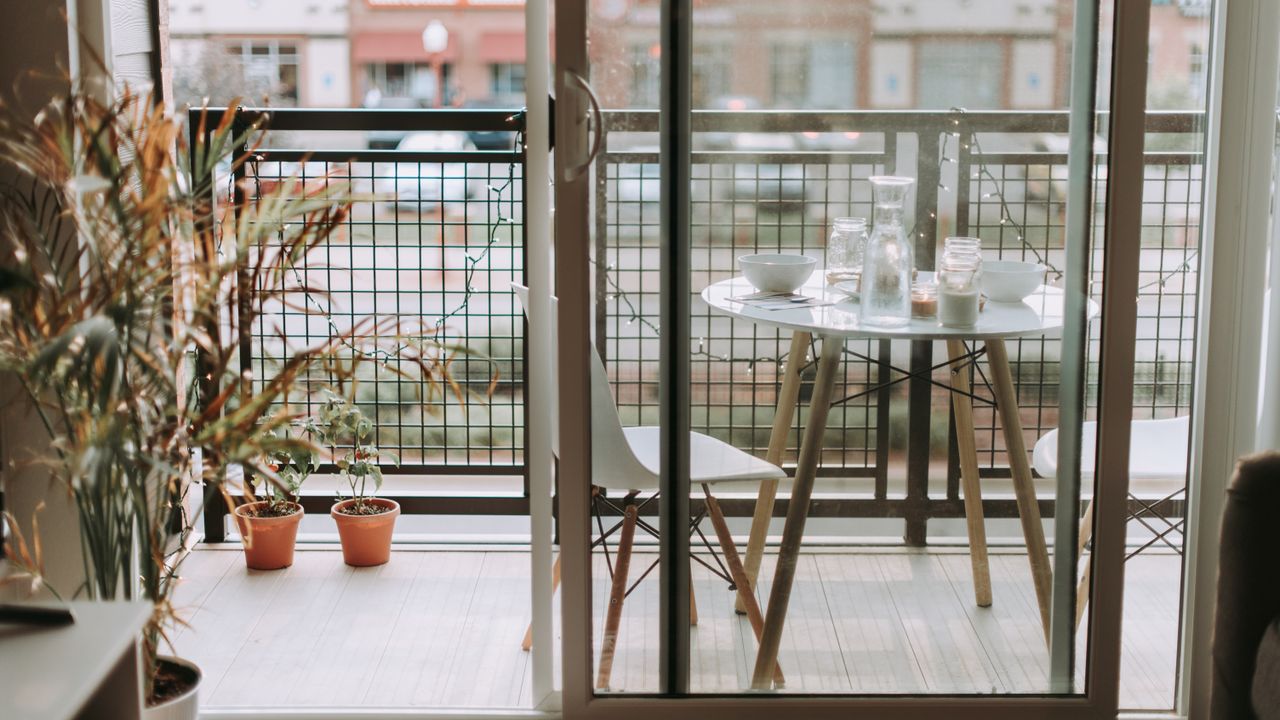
(270, 531)
(177, 691)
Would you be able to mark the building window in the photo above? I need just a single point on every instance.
(645, 77)
(416, 81)
(270, 67)
(712, 72)
(814, 74)
(506, 80)
(960, 73)
(1196, 70)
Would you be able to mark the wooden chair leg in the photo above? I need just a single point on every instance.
(746, 596)
(1082, 590)
(693, 605)
(1086, 534)
(613, 618)
(555, 583)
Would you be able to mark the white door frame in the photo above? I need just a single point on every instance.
(1237, 205)
(574, 286)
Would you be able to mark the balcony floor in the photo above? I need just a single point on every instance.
(441, 628)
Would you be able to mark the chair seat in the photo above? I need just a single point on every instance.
(710, 460)
(1157, 450)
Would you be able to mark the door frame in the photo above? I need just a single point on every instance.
(574, 285)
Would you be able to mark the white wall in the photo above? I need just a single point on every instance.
(966, 16)
(892, 70)
(326, 69)
(1032, 83)
(36, 44)
(250, 17)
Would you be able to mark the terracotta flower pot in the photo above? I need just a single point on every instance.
(366, 539)
(268, 541)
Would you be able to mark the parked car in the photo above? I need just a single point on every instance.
(494, 139)
(428, 185)
(769, 179)
(390, 139)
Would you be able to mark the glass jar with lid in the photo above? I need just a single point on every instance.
(959, 282)
(845, 246)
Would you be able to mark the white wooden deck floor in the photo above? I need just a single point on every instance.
(442, 629)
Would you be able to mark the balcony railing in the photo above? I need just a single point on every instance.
(438, 234)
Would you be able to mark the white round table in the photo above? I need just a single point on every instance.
(1040, 314)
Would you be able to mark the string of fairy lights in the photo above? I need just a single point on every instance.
(473, 261)
(990, 188)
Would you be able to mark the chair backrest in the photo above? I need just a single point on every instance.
(613, 462)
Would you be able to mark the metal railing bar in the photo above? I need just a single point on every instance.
(355, 119)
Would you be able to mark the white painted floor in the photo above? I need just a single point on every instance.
(442, 628)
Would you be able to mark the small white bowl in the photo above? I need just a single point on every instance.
(1010, 280)
(777, 272)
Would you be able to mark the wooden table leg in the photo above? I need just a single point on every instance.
(962, 408)
(1024, 490)
(738, 574)
(797, 513)
(782, 417)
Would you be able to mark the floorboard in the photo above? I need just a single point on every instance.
(442, 628)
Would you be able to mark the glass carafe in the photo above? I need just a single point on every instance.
(888, 259)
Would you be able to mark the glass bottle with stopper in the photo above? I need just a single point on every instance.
(888, 261)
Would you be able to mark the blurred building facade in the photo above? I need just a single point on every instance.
(286, 52)
(483, 59)
(841, 54)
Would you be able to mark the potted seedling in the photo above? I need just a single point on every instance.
(365, 522)
(269, 526)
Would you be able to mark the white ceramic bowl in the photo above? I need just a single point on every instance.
(1010, 280)
(777, 272)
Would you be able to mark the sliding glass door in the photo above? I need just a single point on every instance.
(846, 318)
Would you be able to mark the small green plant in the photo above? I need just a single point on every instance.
(284, 469)
(347, 433)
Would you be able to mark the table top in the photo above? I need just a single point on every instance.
(1040, 314)
(51, 672)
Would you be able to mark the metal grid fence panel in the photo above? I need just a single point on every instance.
(766, 202)
(1011, 197)
(435, 245)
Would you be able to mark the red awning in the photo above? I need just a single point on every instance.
(502, 47)
(367, 47)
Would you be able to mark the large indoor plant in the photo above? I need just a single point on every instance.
(123, 289)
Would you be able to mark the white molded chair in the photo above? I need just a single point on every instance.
(1157, 451)
(626, 460)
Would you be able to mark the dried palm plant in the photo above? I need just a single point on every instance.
(124, 287)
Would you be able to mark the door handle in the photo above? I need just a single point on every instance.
(595, 126)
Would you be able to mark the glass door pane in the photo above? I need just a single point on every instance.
(925, 450)
(876, 411)
(626, 59)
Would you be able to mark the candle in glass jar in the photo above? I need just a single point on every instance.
(924, 301)
(957, 308)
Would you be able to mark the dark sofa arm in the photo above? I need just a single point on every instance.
(1248, 582)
